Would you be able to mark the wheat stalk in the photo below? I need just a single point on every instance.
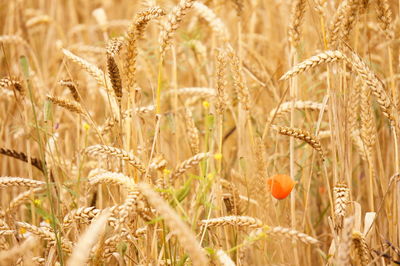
(224, 259)
(343, 252)
(185, 236)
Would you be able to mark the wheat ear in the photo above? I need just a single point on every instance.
(72, 88)
(113, 48)
(376, 86)
(241, 221)
(115, 152)
(7, 181)
(221, 82)
(324, 57)
(216, 24)
(112, 178)
(305, 136)
(192, 131)
(361, 247)
(93, 70)
(298, 10)
(12, 83)
(385, 18)
(23, 157)
(291, 233)
(134, 33)
(341, 194)
(72, 106)
(174, 19)
(189, 163)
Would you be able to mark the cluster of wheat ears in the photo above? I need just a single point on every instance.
(144, 132)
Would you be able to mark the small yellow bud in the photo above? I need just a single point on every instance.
(86, 126)
(37, 202)
(206, 104)
(166, 171)
(210, 176)
(218, 156)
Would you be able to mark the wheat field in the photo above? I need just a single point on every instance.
(199, 132)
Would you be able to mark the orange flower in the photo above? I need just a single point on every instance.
(280, 186)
